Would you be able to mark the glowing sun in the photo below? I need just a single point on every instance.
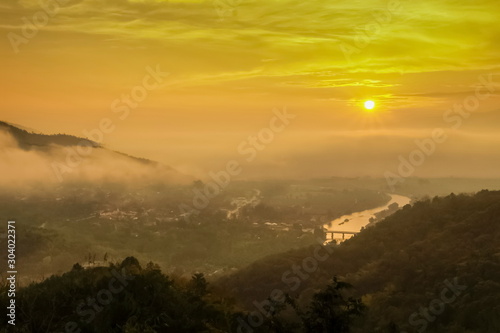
(369, 105)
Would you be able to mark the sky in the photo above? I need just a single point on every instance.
(225, 68)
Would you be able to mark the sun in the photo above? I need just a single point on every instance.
(369, 105)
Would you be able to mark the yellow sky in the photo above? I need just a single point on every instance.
(231, 62)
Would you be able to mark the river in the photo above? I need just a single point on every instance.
(354, 222)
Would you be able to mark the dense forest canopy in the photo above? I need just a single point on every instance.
(401, 266)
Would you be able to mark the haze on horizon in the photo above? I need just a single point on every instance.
(229, 69)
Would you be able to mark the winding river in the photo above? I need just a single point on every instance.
(354, 222)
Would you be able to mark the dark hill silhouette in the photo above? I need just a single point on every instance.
(29, 140)
(401, 265)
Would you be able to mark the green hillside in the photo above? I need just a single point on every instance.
(401, 266)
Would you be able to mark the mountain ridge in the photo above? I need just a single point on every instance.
(28, 139)
(54, 148)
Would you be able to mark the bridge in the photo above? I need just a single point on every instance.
(340, 232)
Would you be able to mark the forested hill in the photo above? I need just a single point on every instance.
(28, 140)
(403, 264)
(430, 267)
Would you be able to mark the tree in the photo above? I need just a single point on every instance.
(331, 311)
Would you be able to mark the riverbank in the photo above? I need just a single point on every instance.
(356, 221)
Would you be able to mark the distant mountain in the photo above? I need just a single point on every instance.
(30, 140)
(52, 150)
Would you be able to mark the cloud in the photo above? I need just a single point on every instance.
(421, 36)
